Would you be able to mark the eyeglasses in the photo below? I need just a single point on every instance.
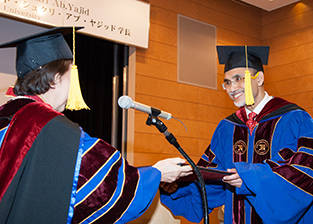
(227, 83)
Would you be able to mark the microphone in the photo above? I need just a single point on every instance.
(126, 102)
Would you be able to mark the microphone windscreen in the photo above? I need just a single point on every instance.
(125, 102)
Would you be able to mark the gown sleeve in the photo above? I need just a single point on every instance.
(186, 201)
(282, 188)
(109, 190)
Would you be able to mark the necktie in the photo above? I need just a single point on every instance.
(251, 123)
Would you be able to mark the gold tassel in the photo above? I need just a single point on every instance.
(248, 89)
(75, 99)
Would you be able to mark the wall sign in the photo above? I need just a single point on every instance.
(125, 21)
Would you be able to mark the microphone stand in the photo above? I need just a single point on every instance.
(154, 120)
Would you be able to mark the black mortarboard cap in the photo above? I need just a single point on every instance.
(39, 49)
(235, 56)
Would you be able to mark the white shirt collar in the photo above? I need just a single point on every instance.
(260, 106)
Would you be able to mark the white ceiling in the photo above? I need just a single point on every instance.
(269, 5)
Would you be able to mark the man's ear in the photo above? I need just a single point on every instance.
(56, 81)
(260, 78)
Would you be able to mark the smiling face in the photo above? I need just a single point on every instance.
(236, 91)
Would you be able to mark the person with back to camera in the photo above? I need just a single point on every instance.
(268, 146)
(51, 170)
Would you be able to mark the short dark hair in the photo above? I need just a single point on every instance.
(253, 71)
(40, 80)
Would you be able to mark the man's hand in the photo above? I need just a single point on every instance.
(170, 169)
(233, 179)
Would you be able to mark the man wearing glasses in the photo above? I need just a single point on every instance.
(268, 146)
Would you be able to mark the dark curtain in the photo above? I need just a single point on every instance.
(95, 59)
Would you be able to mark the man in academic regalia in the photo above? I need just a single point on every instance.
(51, 171)
(268, 146)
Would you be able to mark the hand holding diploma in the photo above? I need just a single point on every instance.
(233, 179)
(171, 170)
